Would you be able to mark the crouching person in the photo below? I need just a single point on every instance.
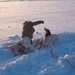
(27, 35)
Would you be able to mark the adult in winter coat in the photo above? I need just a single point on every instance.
(27, 34)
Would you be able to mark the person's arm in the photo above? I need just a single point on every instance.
(37, 22)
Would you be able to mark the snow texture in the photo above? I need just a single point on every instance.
(59, 17)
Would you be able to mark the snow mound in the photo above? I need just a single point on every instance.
(40, 62)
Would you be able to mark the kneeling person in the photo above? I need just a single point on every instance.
(27, 34)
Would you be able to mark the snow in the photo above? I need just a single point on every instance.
(59, 17)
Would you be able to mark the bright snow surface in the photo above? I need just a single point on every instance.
(59, 17)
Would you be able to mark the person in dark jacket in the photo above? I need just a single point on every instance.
(27, 34)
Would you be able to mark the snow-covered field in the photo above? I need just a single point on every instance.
(59, 17)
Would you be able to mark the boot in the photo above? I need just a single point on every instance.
(22, 49)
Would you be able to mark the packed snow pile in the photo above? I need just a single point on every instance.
(59, 17)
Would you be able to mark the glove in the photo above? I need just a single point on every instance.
(41, 21)
(20, 42)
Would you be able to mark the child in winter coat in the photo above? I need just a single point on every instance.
(27, 34)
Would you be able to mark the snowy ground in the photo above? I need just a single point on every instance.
(59, 17)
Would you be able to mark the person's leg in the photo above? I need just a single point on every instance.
(26, 42)
(25, 45)
(31, 41)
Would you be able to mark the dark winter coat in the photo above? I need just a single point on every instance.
(28, 29)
